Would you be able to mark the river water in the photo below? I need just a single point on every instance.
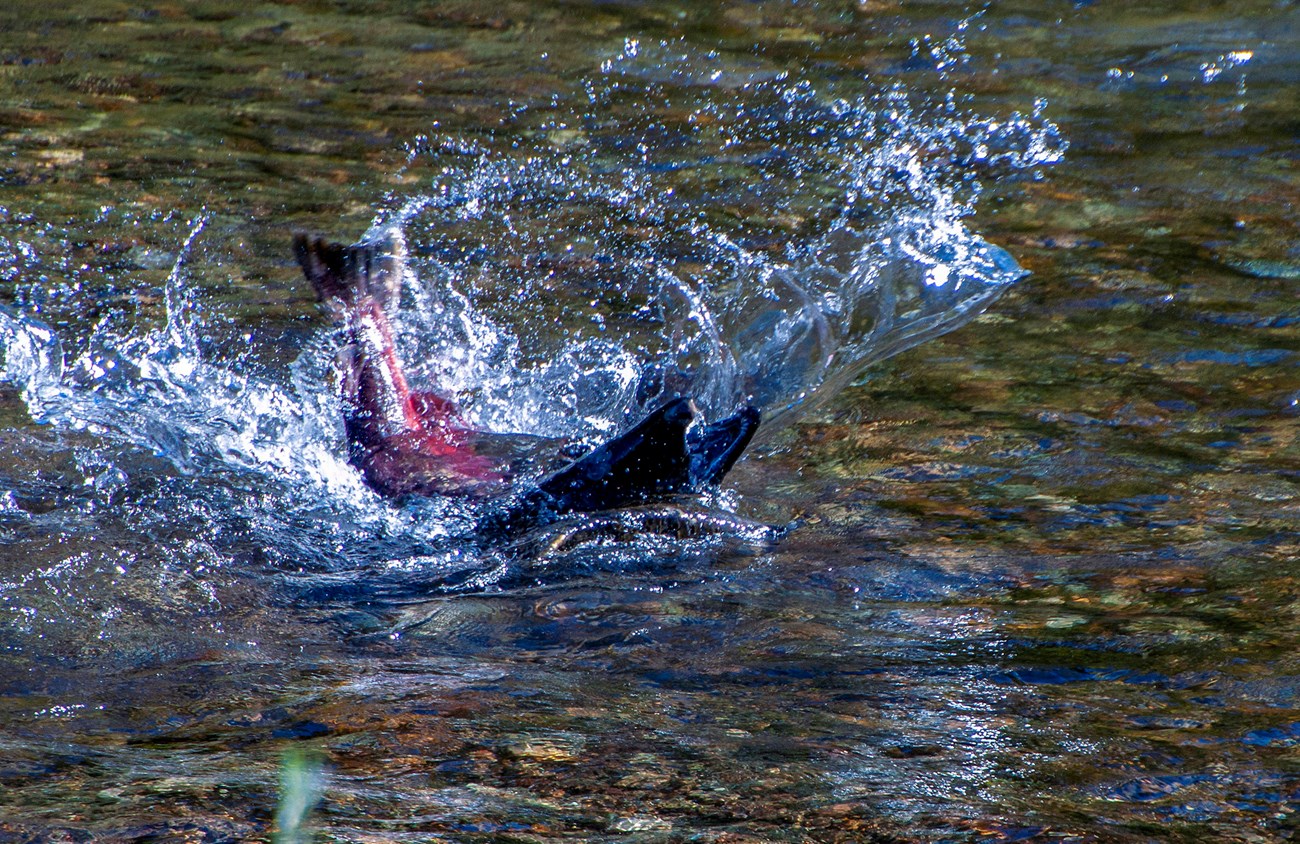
(1014, 557)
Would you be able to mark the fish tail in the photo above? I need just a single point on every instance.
(402, 440)
(346, 276)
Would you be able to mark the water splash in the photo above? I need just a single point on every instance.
(155, 390)
(876, 258)
(761, 247)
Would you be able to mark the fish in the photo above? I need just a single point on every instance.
(416, 442)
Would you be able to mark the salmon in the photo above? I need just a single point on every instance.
(404, 442)
(409, 442)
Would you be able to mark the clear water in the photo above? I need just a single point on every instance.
(1031, 580)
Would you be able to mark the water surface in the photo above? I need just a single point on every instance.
(1040, 577)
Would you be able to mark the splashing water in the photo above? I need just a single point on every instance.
(155, 391)
(734, 317)
(759, 249)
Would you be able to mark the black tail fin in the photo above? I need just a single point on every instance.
(715, 448)
(663, 454)
(345, 275)
(647, 461)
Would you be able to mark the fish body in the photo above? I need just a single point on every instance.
(405, 442)
(409, 442)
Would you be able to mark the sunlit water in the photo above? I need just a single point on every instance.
(672, 302)
(1033, 582)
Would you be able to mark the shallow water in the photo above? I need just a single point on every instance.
(1040, 577)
